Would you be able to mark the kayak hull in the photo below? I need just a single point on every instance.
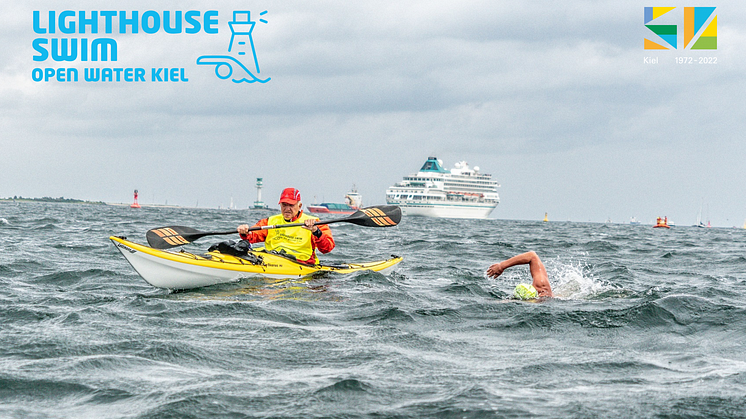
(183, 270)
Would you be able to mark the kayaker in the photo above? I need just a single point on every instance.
(300, 242)
(541, 287)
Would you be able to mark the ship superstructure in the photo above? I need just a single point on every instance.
(461, 192)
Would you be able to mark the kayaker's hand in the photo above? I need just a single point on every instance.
(243, 229)
(495, 270)
(310, 225)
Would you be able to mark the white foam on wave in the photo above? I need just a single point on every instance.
(4, 221)
(573, 281)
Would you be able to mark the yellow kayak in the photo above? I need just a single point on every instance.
(184, 270)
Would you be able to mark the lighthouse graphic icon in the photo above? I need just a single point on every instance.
(241, 66)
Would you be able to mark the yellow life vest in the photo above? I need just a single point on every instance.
(294, 240)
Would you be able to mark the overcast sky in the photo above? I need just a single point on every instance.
(554, 99)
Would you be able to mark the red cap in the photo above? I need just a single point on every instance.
(290, 196)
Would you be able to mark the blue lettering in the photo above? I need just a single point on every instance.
(156, 75)
(146, 22)
(60, 52)
(190, 19)
(124, 22)
(108, 15)
(209, 22)
(93, 75)
(37, 28)
(167, 22)
(60, 74)
(70, 75)
(103, 45)
(84, 49)
(151, 21)
(43, 54)
(114, 74)
(64, 49)
(64, 26)
(92, 22)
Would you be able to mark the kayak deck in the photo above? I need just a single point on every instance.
(184, 270)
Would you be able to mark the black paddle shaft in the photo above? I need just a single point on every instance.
(173, 236)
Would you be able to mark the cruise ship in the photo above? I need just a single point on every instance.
(461, 192)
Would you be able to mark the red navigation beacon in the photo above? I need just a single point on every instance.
(135, 204)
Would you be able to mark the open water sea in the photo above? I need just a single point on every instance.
(647, 323)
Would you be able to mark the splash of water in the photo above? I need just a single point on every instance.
(572, 280)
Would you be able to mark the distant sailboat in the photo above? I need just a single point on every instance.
(700, 223)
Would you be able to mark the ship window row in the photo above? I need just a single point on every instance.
(449, 179)
(452, 185)
(459, 198)
(419, 191)
(455, 179)
(469, 182)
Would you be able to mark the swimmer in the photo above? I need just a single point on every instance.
(539, 288)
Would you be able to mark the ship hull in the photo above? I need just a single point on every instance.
(445, 211)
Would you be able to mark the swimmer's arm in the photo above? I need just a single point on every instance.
(538, 272)
(498, 268)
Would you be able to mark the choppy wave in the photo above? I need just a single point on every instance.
(637, 312)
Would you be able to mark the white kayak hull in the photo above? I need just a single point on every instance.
(183, 270)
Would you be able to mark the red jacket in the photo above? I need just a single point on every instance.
(325, 243)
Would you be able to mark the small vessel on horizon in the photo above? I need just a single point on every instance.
(353, 202)
(662, 223)
(633, 221)
(461, 192)
(700, 223)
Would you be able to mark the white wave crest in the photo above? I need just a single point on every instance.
(573, 281)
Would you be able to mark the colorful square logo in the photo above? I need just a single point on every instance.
(699, 23)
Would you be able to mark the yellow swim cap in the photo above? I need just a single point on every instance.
(525, 292)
